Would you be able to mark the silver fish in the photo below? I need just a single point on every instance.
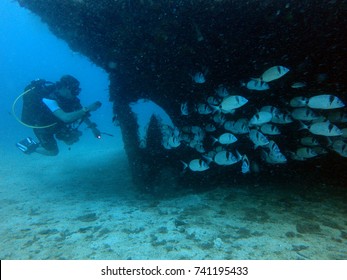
(184, 109)
(281, 118)
(274, 155)
(237, 127)
(221, 91)
(225, 139)
(199, 135)
(270, 129)
(255, 84)
(273, 147)
(199, 147)
(196, 129)
(260, 118)
(166, 144)
(242, 126)
(323, 128)
(170, 131)
(226, 158)
(232, 102)
(309, 141)
(213, 100)
(245, 167)
(258, 138)
(193, 143)
(219, 118)
(210, 127)
(298, 85)
(271, 109)
(299, 101)
(230, 126)
(196, 165)
(198, 78)
(320, 150)
(340, 147)
(203, 109)
(174, 141)
(294, 156)
(277, 157)
(209, 156)
(273, 158)
(325, 101)
(319, 119)
(273, 73)
(305, 152)
(304, 114)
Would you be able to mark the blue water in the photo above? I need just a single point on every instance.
(82, 204)
(29, 51)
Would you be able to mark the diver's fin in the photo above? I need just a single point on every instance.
(27, 145)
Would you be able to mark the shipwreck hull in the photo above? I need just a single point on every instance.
(150, 48)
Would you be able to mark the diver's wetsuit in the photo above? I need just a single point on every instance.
(62, 131)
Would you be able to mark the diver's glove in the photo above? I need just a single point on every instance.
(95, 131)
(27, 145)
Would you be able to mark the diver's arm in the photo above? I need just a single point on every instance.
(76, 115)
(70, 117)
(66, 117)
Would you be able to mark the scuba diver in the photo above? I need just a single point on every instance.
(54, 111)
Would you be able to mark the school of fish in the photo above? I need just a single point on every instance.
(320, 117)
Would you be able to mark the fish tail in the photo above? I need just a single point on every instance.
(185, 165)
(208, 159)
(330, 142)
(214, 140)
(302, 126)
(215, 108)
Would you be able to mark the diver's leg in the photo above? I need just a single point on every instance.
(48, 144)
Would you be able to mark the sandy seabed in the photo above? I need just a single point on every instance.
(82, 205)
